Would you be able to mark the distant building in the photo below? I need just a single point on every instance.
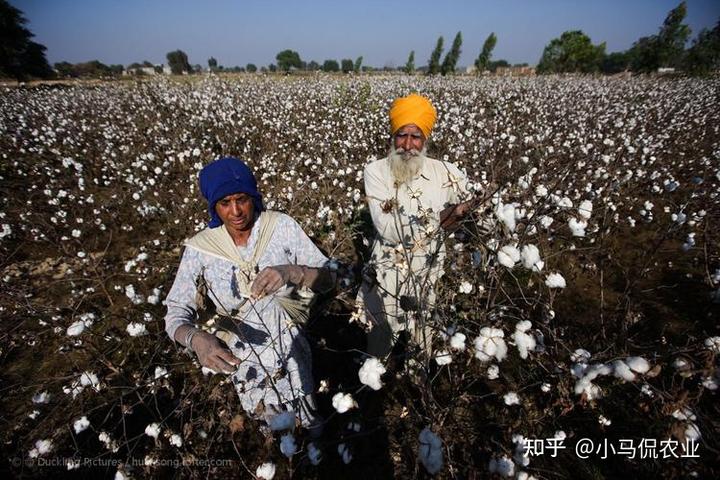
(665, 70)
(147, 70)
(515, 71)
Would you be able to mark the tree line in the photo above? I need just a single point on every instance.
(573, 51)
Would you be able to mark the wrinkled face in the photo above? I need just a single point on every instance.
(408, 139)
(236, 212)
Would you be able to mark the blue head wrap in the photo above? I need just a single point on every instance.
(224, 177)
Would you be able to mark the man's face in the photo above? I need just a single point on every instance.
(409, 138)
(236, 212)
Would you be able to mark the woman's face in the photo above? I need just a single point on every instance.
(236, 212)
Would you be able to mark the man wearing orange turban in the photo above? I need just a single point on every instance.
(413, 199)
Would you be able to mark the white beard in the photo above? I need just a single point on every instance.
(405, 164)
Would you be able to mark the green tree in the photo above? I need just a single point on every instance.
(358, 64)
(483, 60)
(272, 67)
(434, 62)
(410, 64)
(452, 57)
(346, 65)
(572, 52)
(212, 64)
(251, 68)
(288, 59)
(664, 49)
(313, 66)
(615, 62)
(704, 55)
(65, 69)
(495, 64)
(331, 66)
(673, 36)
(20, 57)
(178, 62)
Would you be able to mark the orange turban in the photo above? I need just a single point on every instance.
(414, 109)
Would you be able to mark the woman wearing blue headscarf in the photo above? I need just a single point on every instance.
(251, 263)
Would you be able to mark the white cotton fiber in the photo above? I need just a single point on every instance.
(370, 373)
(555, 280)
(508, 256)
(342, 402)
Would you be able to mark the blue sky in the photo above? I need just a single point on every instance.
(237, 32)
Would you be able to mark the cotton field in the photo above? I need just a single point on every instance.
(580, 304)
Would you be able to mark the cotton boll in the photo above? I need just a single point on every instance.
(511, 399)
(684, 414)
(443, 357)
(81, 424)
(153, 430)
(288, 447)
(344, 453)
(266, 471)
(621, 370)
(508, 256)
(502, 466)
(637, 364)
(136, 329)
(585, 209)
(176, 440)
(490, 344)
(713, 344)
(580, 355)
(524, 342)
(530, 256)
(577, 227)
(75, 329)
(430, 451)
(42, 397)
(342, 402)
(41, 448)
(282, 421)
(370, 373)
(493, 372)
(555, 280)
(692, 432)
(506, 215)
(314, 454)
(465, 287)
(457, 341)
